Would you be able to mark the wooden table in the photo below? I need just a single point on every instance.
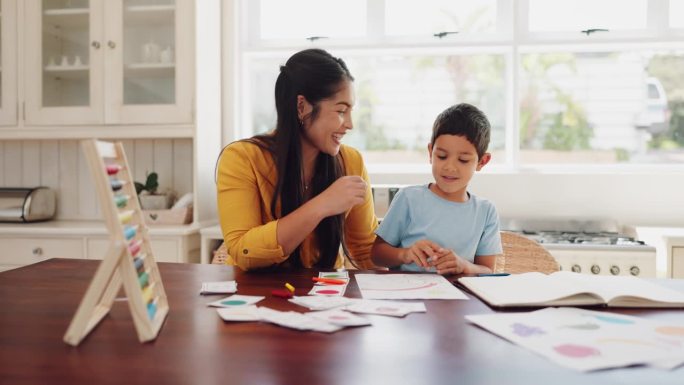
(196, 347)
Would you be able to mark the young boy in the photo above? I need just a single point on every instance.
(441, 226)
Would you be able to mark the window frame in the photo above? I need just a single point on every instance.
(512, 39)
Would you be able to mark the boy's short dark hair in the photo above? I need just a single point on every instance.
(464, 120)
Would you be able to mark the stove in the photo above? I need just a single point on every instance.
(599, 247)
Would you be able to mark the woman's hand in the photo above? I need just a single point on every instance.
(345, 193)
(420, 252)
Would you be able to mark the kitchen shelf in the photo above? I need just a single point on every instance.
(150, 70)
(68, 72)
(145, 15)
(68, 17)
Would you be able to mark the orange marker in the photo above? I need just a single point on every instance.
(329, 281)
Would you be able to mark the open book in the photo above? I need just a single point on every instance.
(571, 289)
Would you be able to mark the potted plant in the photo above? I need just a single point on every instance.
(147, 194)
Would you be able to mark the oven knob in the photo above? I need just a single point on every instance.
(576, 269)
(595, 269)
(614, 270)
(634, 270)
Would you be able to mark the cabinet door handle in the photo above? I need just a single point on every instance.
(111, 44)
(95, 44)
(38, 251)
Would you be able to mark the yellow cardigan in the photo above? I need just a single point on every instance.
(245, 186)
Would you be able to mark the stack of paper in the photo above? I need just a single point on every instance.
(223, 287)
(331, 289)
(590, 340)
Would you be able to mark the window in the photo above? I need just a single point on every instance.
(312, 18)
(583, 15)
(676, 13)
(427, 17)
(554, 96)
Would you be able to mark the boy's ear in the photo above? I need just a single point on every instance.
(484, 159)
(430, 152)
(304, 108)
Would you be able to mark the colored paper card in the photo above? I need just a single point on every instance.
(344, 274)
(329, 290)
(388, 308)
(320, 302)
(239, 313)
(222, 287)
(587, 340)
(294, 320)
(236, 300)
(407, 286)
(339, 317)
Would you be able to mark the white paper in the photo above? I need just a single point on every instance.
(407, 286)
(236, 300)
(388, 308)
(239, 313)
(339, 317)
(223, 287)
(296, 320)
(314, 302)
(589, 340)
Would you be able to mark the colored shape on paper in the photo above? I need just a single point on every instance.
(614, 320)
(233, 302)
(327, 291)
(584, 326)
(671, 330)
(576, 351)
(526, 331)
(338, 317)
(426, 286)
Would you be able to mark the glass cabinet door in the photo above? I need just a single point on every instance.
(8, 62)
(64, 61)
(151, 84)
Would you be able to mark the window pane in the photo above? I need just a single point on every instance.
(578, 15)
(602, 107)
(677, 13)
(426, 17)
(294, 19)
(398, 98)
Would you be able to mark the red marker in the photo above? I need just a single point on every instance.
(329, 281)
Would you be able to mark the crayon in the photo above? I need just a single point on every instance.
(290, 287)
(331, 281)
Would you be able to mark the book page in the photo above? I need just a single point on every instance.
(531, 289)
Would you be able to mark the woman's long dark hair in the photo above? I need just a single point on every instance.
(316, 75)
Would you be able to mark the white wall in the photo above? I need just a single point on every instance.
(639, 199)
(60, 165)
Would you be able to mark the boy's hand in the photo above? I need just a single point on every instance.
(447, 262)
(419, 253)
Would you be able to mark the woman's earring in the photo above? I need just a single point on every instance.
(301, 123)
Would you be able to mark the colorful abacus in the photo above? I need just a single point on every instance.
(129, 260)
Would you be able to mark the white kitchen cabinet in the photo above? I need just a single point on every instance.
(19, 251)
(108, 62)
(8, 62)
(675, 256)
(26, 243)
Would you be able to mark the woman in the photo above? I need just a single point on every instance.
(294, 196)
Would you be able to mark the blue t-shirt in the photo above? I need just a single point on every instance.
(469, 228)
